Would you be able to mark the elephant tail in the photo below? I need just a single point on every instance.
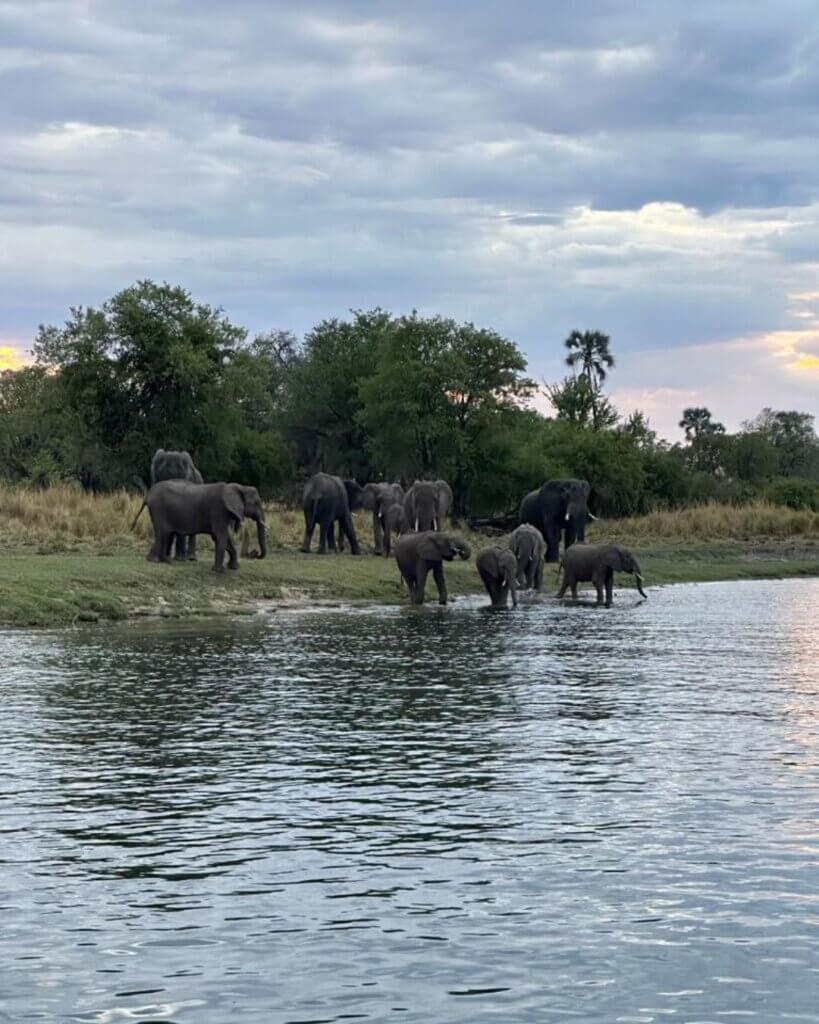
(136, 517)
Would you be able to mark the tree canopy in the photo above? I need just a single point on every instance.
(370, 395)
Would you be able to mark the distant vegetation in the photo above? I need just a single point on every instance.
(372, 396)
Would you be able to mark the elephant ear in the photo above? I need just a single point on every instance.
(433, 548)
(234, 501)
(614, 558)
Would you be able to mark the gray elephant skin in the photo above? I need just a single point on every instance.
(378, 498)
(426, 504)
(498, 569)
(529, 548)
(329, 500)
(558, 508)
(418, 554)
(184, 508)
(394, 524)
(173, 465)
(597, 564)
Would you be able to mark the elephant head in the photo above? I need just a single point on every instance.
(622, 560)
(576, 495)
(245, 503)
(355, 494)
(437, 547)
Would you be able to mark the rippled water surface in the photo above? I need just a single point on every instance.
(555, 814)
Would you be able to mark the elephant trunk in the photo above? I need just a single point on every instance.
(261, 535)
(639, 580)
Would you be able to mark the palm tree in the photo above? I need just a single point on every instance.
(591, 350)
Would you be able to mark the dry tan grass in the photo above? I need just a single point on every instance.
(718, 522)
(68, 519)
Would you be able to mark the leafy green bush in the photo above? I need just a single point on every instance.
(794, 492)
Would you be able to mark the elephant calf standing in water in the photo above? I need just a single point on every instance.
(529, 549)
(498, 568)
(183, 508)
(597, 563)
(418, 553)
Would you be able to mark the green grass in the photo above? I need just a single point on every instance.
(70, 557)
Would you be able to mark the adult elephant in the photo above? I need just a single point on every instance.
(426, 504)
(558, 508)
(528, 547)
(186, 509)
(597, 564)
(498, 570)
(418, 554)
(329, 500)
(377, 498)
(173, 465)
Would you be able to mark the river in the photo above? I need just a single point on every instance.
(457, 815)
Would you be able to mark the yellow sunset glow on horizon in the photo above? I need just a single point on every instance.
(11, 358)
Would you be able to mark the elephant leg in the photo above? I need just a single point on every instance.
(164, 539)
(598, 581)
(220, 542)
(609, 587)
(323, 531)
(552, 545)
(440, 581)
(537, 581)
(233, 561)
(192, 548)
(331, 536)
(574, 590)
(486, 579)
(378, 534)
(309, 527)
(420, 584)
(387, 542)
(564, 586)
(180, 545)
(346, 524)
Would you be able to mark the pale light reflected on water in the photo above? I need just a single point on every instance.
(549, 815)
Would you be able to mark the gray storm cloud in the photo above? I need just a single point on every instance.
(653, 176)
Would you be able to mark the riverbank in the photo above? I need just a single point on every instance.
(58, 589)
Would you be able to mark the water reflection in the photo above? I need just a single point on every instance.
(546, 815)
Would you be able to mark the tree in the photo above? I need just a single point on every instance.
(577, 401)
(590, 349)
(638, 426)
(697, 421)
(793, 436)
(436, 388)
(322, 402)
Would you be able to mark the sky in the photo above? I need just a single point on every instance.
(650, 171)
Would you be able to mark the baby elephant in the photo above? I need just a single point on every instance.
(498, 568)
(598, 563)
(529, 548)
(418, 553)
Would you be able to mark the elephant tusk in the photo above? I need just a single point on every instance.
(589, 514)
(416, 524)
(568, 517)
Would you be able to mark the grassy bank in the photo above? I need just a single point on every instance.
(71, 557)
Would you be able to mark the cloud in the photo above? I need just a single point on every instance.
(651, 174)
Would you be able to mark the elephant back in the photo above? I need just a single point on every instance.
(173, 465)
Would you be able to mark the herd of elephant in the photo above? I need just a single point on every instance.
(407, 523)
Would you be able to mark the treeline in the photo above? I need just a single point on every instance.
(373, 396)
